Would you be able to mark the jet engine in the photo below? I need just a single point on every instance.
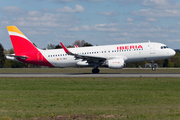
(116, 63)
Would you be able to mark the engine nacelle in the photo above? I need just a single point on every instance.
(116, 63)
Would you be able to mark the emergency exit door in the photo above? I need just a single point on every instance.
(152, 48)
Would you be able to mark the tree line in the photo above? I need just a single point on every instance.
(4, 63)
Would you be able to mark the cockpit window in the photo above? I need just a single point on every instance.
(164, 47)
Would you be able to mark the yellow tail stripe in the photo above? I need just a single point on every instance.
(14, 29)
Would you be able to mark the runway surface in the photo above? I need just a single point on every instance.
(87, 75)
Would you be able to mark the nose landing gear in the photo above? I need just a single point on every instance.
(153, 66)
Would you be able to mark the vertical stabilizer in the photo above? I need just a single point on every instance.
(20, 42)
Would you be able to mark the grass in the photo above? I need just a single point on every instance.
(86, 98)
(87, 70)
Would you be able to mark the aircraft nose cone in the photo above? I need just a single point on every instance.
(173, 53)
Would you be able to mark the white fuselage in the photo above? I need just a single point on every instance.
(128, 52)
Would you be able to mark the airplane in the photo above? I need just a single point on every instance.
(112, 56)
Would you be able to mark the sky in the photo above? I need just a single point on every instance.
(98, 22)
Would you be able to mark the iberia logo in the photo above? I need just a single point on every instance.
(129, 47)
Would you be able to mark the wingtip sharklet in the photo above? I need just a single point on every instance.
(65, 49)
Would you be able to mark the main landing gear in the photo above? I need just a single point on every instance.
(95, 70)
(153, 66)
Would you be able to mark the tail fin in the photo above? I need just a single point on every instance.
(19, 41)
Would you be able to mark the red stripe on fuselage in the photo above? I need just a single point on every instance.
(23, 47)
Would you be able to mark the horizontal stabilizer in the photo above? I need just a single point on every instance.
(16, 56)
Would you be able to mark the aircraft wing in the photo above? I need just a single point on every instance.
(90, 59)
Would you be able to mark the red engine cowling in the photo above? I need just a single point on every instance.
(116, 63)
